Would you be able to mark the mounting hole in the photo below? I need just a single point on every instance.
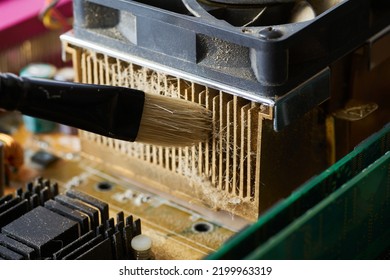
(104, 186)
(202, 227)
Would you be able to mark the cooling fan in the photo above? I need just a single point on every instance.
(247, 14)
(270, 52)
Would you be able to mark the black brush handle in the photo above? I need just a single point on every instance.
(107, 110)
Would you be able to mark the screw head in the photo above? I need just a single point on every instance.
(270, 33)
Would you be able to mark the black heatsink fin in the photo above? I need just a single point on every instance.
(40, 223)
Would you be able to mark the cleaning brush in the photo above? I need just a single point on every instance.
(117, 112)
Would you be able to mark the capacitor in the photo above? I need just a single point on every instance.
(13, 151)
(142, 246)
(11, 159)
(65, 74)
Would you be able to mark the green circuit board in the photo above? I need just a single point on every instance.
(343, 213)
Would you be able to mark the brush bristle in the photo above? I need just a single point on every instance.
(170, 121)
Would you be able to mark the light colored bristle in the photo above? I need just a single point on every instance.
(170, 121)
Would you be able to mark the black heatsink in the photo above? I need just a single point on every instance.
(40, 223)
